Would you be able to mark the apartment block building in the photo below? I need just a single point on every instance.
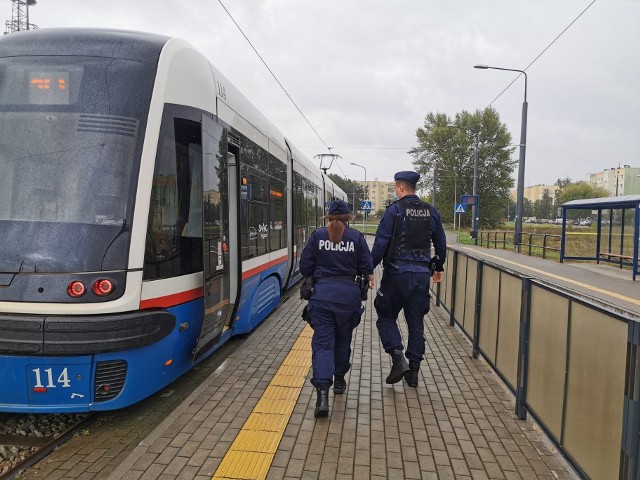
(536, 192)
(618, 181)
(379, 193)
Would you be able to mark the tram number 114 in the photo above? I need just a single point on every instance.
(63, 378)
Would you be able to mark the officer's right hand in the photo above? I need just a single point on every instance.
(372, 282)
(437, 277)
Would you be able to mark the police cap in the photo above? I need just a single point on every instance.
(409, 177)
(338, 207)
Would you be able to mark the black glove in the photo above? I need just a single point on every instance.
(432, 265)
(306, 289)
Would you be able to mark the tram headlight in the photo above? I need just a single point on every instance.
(103, 287)
(76, 289)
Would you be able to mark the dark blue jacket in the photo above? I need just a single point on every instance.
(385, 232)
(323, 259)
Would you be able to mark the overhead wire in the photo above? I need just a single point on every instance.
(358, 147)
(274, 76)
(542, 52)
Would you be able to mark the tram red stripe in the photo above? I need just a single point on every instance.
(173, 299)
(183, 297)
(263, 267)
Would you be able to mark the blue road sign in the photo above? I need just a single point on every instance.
(366, 205)
(460, 208)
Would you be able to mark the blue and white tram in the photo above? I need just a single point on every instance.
(148, 212)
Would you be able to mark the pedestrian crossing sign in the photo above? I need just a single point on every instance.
(460, 208)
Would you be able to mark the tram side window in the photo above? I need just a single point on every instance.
(277, 214)
(311, 207)
(254, 210)
(174, 232)
(299, 211)
(277, 203)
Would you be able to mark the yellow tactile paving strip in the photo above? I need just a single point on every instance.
(251, 453)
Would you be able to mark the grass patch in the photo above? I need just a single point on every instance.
(545, 241)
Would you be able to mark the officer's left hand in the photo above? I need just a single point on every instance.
(437, 277)
(372, 282)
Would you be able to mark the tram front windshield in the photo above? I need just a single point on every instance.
(71, 132)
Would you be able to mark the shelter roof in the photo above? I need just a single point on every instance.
(609, 202)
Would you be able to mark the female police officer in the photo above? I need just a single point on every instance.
(337, 257)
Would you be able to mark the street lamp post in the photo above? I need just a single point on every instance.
(474, 215)
(364, 212)
(523, 149)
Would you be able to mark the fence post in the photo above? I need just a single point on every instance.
(630, 453)
(523, 350)
(454, 281)
(476, 317)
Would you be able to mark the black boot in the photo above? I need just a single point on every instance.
(399, 367)
(322, 403)
(339, 384)
(412, 375)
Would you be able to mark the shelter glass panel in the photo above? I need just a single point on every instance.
(595, 393)
(461, 288)
(470, 300)
(489, 312)
(509, 327)
(547, 357)
(449, 275)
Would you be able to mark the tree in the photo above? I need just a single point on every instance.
(562, 183)
(449, 153)
(527, 208)
(510, 211)
(545, 206)
(580, 190)
(350, 187)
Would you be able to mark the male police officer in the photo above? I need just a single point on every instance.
(403, 244)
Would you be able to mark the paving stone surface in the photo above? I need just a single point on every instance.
(458, 423)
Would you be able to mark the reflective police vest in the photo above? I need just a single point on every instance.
(413, 242)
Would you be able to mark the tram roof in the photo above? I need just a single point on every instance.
(92, 42)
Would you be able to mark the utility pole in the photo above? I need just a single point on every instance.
(20, 16)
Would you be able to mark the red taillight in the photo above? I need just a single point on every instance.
(102, 287)
(76, 289)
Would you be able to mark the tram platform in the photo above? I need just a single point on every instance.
(599, 284)
(252, 417)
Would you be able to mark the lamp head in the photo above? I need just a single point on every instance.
(481, 67)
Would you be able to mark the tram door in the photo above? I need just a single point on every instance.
(218, 304)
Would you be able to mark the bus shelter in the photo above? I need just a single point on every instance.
(610, 233)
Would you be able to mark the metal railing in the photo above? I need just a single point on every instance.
(569, 361)
(537, 244)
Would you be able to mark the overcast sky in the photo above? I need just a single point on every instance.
(366, 72)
